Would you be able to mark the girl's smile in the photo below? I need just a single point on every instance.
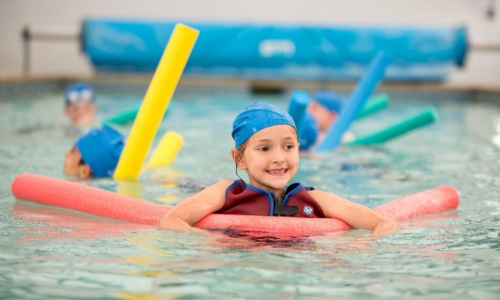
(277, 172)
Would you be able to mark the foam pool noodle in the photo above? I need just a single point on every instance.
(298, 108)
(128, 115)
(423, 118)
(374, 104)
(167, 149)
(156, 100)
(62, 193)
(357, 100)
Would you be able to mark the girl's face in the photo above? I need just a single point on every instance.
(271, 158)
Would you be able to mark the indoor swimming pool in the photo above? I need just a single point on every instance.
(54, 253)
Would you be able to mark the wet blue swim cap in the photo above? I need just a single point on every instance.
(309, 133)
(256, 117)
(79, 92)
(330, 100)
(101, 150)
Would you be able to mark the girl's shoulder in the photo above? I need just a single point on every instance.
(221, 185)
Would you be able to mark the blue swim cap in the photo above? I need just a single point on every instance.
(79, 92)
(101, 150)
(330, 100)
(309, 133)
(256, 117)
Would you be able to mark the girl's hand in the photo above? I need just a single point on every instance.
(385, 227)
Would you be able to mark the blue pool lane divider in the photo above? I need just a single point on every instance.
(277, 51)
(356, 102)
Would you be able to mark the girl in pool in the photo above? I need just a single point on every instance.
(268, 150)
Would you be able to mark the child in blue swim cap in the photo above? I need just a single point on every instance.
(267, 148)
(309, 133)
(322, 112)
(95, 154)
(79, 104)
(325, 106)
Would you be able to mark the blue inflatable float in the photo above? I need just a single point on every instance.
(277, 51)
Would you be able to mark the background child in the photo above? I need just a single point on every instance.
(324, 107)
(322, 112)
(95, 154)
(266, 147)
(309, 134)
(79, 103)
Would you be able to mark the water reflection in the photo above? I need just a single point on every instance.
(496, 137)
(36, 222)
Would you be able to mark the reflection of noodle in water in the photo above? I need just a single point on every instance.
(129, 188)
(66, 224)
(57, 192)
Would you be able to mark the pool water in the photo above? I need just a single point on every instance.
(53, 253)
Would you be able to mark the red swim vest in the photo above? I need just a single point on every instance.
(243, 199)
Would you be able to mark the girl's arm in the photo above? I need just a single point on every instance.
(354, 214)
(184, 215)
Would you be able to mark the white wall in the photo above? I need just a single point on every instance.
(64, 57)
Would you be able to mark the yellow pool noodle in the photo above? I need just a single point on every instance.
(167, 149)
(153, 107)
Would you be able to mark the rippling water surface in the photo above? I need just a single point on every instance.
(53, 253)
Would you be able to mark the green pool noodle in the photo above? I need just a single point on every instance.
(126, 116)
(374, 104)
(421, 119)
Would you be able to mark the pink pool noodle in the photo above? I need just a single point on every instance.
(56, 192)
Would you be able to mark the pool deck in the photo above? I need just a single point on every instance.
(261, 85)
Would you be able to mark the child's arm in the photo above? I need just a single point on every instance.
(184, 215)
(354, 214)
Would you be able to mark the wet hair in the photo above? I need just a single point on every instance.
(239, 154)
(240, 150)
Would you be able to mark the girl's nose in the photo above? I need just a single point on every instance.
(278, 156)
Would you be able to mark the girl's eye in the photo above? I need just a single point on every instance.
(288, 147)
(263, 149)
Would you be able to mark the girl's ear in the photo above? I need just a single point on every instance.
(239, 161)
(84, 171)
